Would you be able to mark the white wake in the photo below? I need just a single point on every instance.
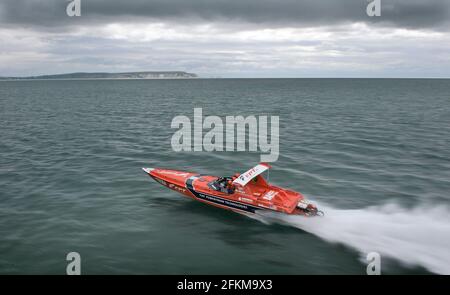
(418, 236)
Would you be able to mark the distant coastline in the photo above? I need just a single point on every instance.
(126, 75)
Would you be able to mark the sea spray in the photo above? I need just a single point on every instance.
(416, 236)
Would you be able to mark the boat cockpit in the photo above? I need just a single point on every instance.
(223, 185)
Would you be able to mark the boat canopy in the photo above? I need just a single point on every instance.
(245, 177)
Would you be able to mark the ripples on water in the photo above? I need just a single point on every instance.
(70, 178)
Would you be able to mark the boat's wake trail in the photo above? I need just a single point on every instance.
(419, 236)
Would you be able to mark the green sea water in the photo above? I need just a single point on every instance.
(373, 153)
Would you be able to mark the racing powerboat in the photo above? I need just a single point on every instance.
(248, 192)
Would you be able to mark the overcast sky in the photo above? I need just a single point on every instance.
(227, 38)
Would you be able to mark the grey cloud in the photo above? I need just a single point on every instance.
(334, 50)
(51, 15)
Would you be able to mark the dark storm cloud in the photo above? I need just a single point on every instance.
(50, 14)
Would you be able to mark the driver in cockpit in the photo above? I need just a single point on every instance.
(230, 187)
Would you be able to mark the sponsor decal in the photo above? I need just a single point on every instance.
(250, 173)
(247, 176)
(263, 205)
(269, 195)
(218, 200)
(161, 181)
(246, 200)
(239, 190)
(177, 188)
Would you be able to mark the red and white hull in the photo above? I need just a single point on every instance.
(248, 198)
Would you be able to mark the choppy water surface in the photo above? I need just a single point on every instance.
(375, 154)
